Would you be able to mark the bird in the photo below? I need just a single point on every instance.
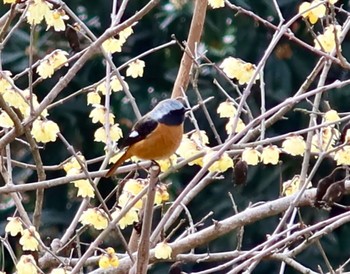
(156, 136)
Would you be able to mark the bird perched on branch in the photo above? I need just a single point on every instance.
(156, 136)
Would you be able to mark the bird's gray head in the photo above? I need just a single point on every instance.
(170, 112)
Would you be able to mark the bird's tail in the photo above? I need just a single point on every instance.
(117, 164)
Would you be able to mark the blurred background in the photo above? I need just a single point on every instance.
(226, 33)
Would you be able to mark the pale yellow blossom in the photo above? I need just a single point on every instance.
(56, 19)
(115, 134)
(163, 251)
(216, 3)
(294, 145)
(45, 131)
(135, 69)
(14, 226)
(29, 241)
(251, 156)
(226, 110)
(326, 41)
(94, 217)
(26, 265)
(270, 155)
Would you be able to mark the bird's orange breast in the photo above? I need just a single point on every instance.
(159, 144)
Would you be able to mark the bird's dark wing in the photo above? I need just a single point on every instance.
(140, 130)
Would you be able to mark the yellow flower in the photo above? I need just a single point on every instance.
(24, 106)
(342, 156)
(58, 58)
(85, 189)
(98, 114)
(238, 69)
(133, 186)
(292, 186)
(229, 125)
(158, 198)
(29, 239)
(221, 165)
(26, 265)
(116, 85)
(59, 271)
(37, 10)
(226, 110)
(9, 1)
(94, 217)
(112, 45)
(327, 39)
(4, 84)
(115, 134)
(125, 33)
(56, 19)
(124, 199)
(13, 99)
(187, 149)
(200, 137)
(52, 62)
(314, 14)
(167, 163)
(74, 164)
(270, 155)
(251, 156)
(331, 116)
(163, 189)
(129, 218)
(135, 69)
(5, 120)
(93, 98)
(45, 131)
(45, 69)
(163, 251)
(14, 226)
(216, 3)
(325, 139)
(294, 145)
(109, 259)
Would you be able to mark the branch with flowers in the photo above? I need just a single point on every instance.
(146, 221)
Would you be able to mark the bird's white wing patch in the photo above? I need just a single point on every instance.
(133, 134)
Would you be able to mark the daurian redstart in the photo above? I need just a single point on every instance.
(156, 135)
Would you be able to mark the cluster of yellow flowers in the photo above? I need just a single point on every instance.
(43, 130)
(132, 188)
(99, 113)
(51, 63)
(27, 265)
(314, 10)
(228, 110)
(269, 155)
(195, 145)
(72, 167)
(29, 239)
(113, 45)
(38, 10)
(108, 259)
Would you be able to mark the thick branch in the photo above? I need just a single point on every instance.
(196, 28)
